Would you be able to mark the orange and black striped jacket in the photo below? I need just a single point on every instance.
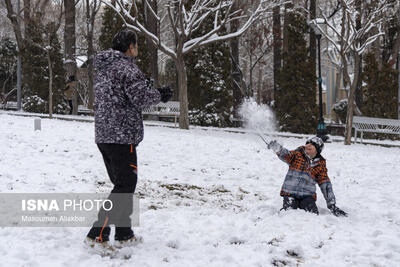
(304, 173)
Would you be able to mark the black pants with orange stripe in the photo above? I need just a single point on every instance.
(121, 163)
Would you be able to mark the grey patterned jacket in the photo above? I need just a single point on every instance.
(120, 94)
(304, 173)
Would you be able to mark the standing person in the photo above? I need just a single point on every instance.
(69, 92)
(306, 168)
(121, 92)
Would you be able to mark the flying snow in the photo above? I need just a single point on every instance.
(257, 117)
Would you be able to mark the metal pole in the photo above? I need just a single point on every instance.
(19, 72)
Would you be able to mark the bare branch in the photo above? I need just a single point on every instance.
(152, 11)
(173, 23)
(180, 18)
(137, 26)
(15, 23)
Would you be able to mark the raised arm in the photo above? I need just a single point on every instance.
(283, 154)
(140, 93)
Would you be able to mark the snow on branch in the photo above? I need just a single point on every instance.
(185, 21)
(131, 22)
(351, 38)
(212, 36)
(151, 10)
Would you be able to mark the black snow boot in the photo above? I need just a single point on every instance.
(97, 234)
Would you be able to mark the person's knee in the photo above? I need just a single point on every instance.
(312, 209)
(309, 204)
(289, 203)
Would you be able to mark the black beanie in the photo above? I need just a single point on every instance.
(317, 143)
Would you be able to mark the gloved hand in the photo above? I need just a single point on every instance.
(336, 211)
(274, 146)
(149, 82)
(166, 93)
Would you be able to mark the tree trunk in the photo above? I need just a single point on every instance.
(183, 96)
(69, 46)
(397, 67)
(90, 69)
(259, 86)
(90, 52)
(152, 25)
(15, 24)
(376, 48)
(396, 52)
(313, 40)
(286, 23)
(337, 84)
(358, 94)
(277, 44)
(351, 106)
(50, 84)
(251, 91)
(236, 77)
(20, 45)
(346, 76)
(27, 17)
(396, 46)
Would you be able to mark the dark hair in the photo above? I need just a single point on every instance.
(123, 39)
(71, 78)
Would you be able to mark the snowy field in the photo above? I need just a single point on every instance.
(208, 199)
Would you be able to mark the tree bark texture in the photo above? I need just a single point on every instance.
(50, 84)
(92, 7)
(277, 35)
(183, 95)
(236, 77)
(69, 46)
(152, 24)
(313, 39)
(12, 16)
(27, 17)
(351, 101)
(358, 96)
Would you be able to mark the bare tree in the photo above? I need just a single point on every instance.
(49, 28)
(6, 29)
(91, 9)
(52, 29)
(358, 92)
(237, 88)
(184, 19)
(9, 76)
(349, 40)
(27, 16)
(258, 43)
(277, 32)
(15, 22)
(151, 23)
(313, 37)
(70, 46)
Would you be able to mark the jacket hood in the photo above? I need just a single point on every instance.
(107, 57)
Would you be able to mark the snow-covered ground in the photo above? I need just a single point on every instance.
(209, 199)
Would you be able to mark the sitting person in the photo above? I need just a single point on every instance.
(306, 168)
